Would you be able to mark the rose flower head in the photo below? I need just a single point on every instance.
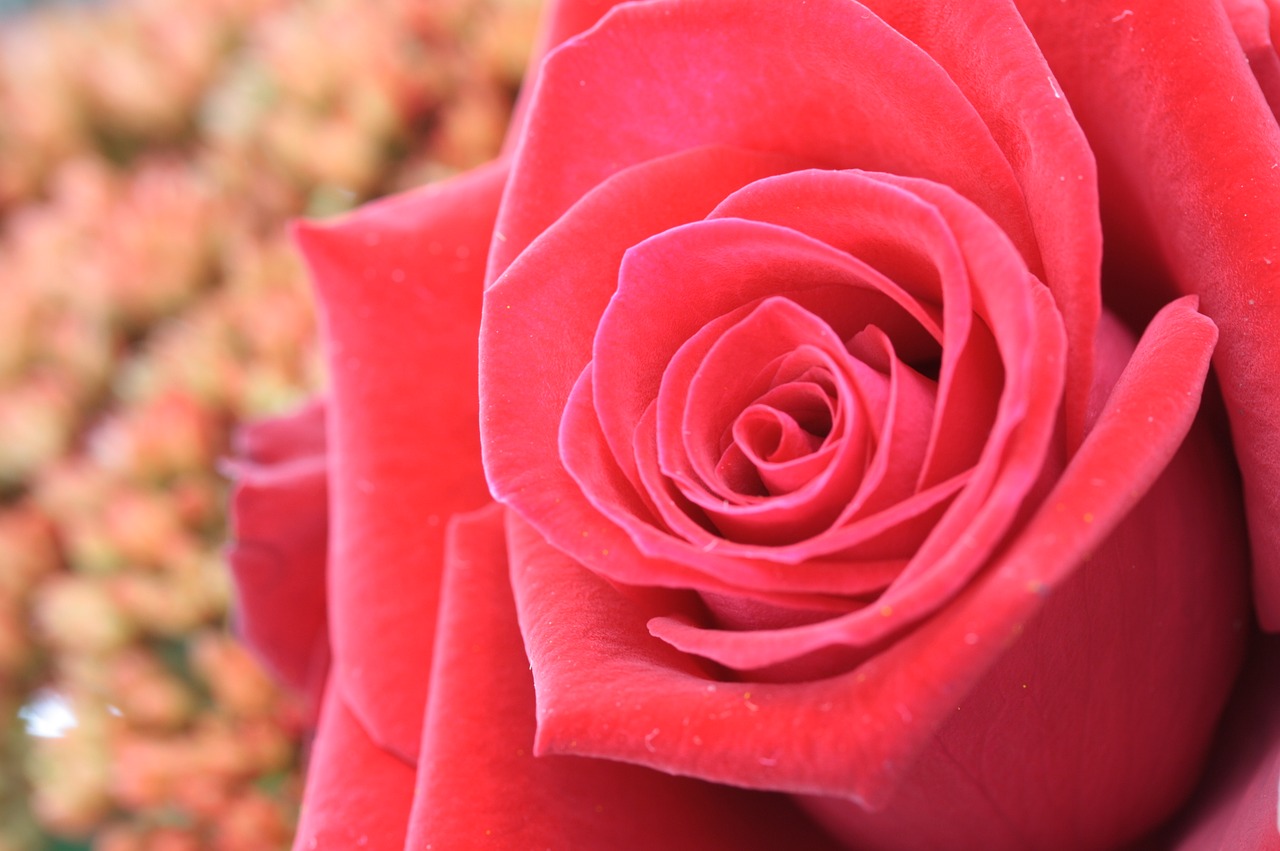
(800, 438)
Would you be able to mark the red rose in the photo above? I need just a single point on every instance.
(825, 471)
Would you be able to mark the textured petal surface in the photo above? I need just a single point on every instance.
(1189, 164)
(400, 289)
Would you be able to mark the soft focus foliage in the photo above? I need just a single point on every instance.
(150, 154)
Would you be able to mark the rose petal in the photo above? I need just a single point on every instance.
(709, 73)
(1093, 725)
(991, 57)
(1191, 185)
(296, 435)
(615, 499)
(358, 794)
(561, 20)
(279, 529)
(557, 291)
(1014, 449)
(591, 653)
(400, 288)
(479, 782)
(894, 230)
(1027, 123)
(1252, 22)
(676, 285)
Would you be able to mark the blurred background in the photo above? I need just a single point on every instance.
(151, 152)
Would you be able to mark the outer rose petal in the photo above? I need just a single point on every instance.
(479, 784)
(1189, 164)
(561, 20)
(731, 90)
(400, 289)
(300, 434)
(358, 795)
(279, 519)
(862, 730)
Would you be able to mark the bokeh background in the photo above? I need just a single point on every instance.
(151, 154)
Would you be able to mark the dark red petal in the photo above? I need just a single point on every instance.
(400, 289)
(296, 435)
(1236, 805)
(479, 783)
(591, 653)
(1189, 162)
(279, 530)
(358, 795)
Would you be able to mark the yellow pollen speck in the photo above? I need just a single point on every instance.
(1024, 685)
(885, 611)
(1088, 518)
